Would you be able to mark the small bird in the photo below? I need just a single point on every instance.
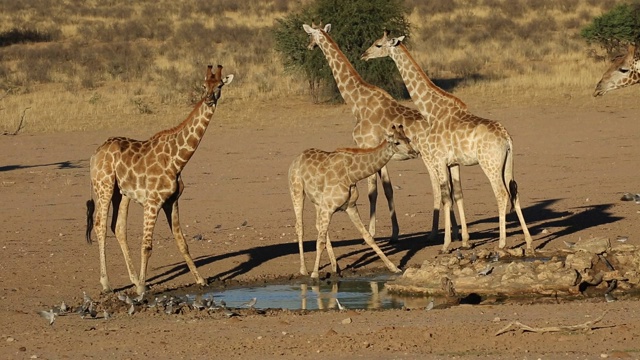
(169, 309)
(622, 239)
(197, 304)
(473, 257)
(50, 316)
(125, 298)
(340, 306)
(429, 305)
(569, 244)
(486, 271)
(86, 298)
(459, 255)
(223, 303)
(609, 298)
(636, 197)
(628, 197)
(495, 257)
(131, 310)
(105, 314)
(138, 299)
(63, 307)
(251, 303)
(228, 313)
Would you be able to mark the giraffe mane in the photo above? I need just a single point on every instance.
(428, 80)
(180, 126)
(361, 150)
(351, 68)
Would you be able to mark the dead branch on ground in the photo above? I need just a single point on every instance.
(20, 124)
(589, 325)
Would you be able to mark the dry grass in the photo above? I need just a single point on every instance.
(114, 64)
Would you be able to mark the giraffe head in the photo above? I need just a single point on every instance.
(381, 47)
(213, 83)
(315, 33)
(400, 144)
(624, 71)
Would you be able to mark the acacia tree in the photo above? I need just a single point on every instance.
(355, 25)
(615, 28)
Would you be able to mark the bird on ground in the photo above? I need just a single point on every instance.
(340, 306)
(486, 271)
(569, 244)
(251, 303)
(50, 316)
(429, 305)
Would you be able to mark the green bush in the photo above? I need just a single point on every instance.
(356, 24)
(613, 29)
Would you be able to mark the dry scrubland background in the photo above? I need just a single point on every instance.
(122, 65)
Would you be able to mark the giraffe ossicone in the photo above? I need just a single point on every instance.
(375, 110)
(328, 180)
(457, 137)
(149, 173)
(624, 71)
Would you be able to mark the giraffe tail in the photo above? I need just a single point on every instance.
(91, 207)
(510, 183)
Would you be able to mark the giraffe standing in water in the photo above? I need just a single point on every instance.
(148, 172)
(624, 71)
(457, 137)
(375, 110)
(329, 180)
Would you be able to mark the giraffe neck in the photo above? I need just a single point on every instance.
(363, 163)
(428, 97)
(351, 85)
(184, 138)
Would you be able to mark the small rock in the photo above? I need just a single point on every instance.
(347, 321)
(496, 319)
(10, 339)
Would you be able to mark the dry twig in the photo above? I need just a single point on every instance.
(20, 124)
(589, 325)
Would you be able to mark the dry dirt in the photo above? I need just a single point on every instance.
(574, 160)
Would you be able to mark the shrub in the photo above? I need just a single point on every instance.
(356, 24)
(614, 28)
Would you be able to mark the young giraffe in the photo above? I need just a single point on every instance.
(624, 71)
(457, 137)
(148, 172)
(329, 180)
(375, 110)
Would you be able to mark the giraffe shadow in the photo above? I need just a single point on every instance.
(61, 165)
(539, 216)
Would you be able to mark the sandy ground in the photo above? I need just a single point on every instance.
(574, 160)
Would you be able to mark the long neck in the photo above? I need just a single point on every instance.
(366, 162)
(351, 85)
(184, 138)
(428, 97)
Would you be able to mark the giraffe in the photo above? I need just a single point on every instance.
(624, 71)
(457, 137)
(148, 172)
(375, 110)
(329, 180)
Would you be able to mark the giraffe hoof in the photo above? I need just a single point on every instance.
(444, 251)
(202, 282)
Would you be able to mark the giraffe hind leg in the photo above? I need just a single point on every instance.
(119, 227)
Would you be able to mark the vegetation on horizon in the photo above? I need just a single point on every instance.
(138, 57)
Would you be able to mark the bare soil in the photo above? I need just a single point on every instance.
(573, 160)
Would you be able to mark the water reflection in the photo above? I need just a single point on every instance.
(352, 293)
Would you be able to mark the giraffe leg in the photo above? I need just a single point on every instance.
(502, 197)
(388, 193)
(322, 223)
(120, 229)
(332, 256)
(170, 208)
(513, 193)
(100, 221)
(437, 200)
(456, 183)
(445, 191)
(372, 186)
(297, 197)
(352, 210)
(523, 224)
(150, 217)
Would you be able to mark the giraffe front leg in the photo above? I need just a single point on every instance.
(437, 200)
(150, 218)
(388, 193)
(332, 256)
(352, 210)
(173, 217)
(458, 198)
(297, 198)
(322, 223)
(372, 186)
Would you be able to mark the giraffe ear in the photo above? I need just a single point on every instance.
(327, 28)
(227, 79)
(397, 41)
(308, 29)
